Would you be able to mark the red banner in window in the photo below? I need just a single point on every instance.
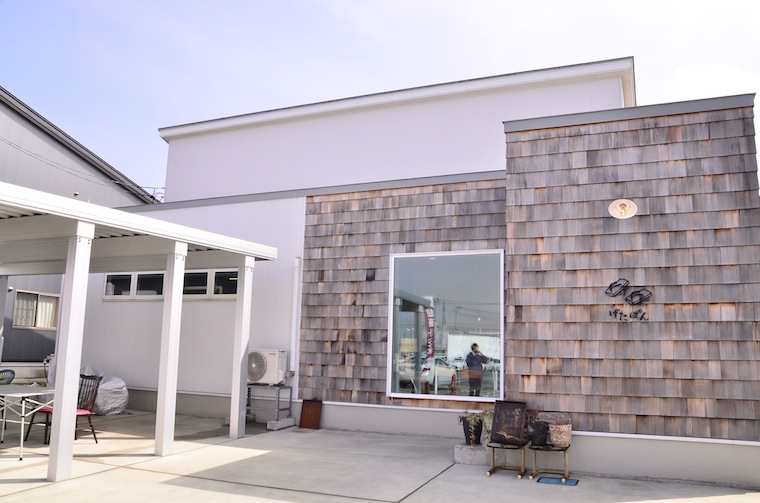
(430, 328)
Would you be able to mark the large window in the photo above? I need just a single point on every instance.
(35, 310)
(440, 305)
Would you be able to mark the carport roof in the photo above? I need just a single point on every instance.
(35, 228)
(42, 233)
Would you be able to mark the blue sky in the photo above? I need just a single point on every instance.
(112, 72)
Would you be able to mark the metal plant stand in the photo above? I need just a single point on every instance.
(271, 391)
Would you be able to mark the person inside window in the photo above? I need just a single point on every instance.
(475, 361)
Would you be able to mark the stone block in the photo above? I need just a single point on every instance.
(282, 423)
(471, 454)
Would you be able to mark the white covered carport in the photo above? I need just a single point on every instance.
(42, 233)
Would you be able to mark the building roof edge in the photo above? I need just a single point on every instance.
(639, 112)
(623, 67)
(62, 137)
(320, 191)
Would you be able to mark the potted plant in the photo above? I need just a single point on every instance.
(475, 423)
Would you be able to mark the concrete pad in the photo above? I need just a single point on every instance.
(125, 485)
(299, 466)
(455, 484)
(320, 461)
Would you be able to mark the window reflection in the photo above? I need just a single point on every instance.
(441, 305)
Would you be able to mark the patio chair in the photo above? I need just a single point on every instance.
(7, 376)
(88, 392)
(508, 433)
(550, 432)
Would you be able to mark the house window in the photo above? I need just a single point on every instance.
(35, 310)
(440, 305)
(196, 283)
(119, 284)
(127, 286)
(225, 282)
(146, 285)
(150, 284)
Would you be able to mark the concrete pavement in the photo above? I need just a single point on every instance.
(297, 465)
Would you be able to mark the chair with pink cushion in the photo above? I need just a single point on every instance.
(88, 392)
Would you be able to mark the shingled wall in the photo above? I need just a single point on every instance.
(348, 242)
(684, 363)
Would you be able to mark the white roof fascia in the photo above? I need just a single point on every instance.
(622, 68)
(45, 203)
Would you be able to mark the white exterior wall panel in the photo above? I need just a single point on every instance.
(409, 139)
(122, 337)
(205, 352)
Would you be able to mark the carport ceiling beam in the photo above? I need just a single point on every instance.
(36, 227)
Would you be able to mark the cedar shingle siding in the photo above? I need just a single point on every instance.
(683, 363)
(690, 366)
(349, 240)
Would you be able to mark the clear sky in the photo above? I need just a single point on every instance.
(110, 73)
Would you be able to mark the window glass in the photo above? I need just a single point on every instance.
(118, 284)
(34, 310)
(47, 311)
(225, 282)
(150, 284)
(25, 309)
(196, 283)
(440, 306)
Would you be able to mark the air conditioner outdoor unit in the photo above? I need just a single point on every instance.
(267, 366)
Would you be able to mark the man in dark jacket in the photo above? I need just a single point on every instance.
(475, 361)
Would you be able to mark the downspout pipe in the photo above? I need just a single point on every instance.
(295, 317)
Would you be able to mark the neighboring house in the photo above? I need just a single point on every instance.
(605, 258)
(35, 153)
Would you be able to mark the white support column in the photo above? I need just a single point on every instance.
(3, 302)
(241, 338)
(68, 352)
(166, 405)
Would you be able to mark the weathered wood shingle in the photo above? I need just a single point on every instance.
(349, 240)
(684, 363)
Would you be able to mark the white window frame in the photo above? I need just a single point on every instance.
(391, 332)
(212, 284)
(205, 292)
(133, 294)
(37, 312)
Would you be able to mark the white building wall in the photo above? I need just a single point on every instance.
(122, 338)
(429, 136)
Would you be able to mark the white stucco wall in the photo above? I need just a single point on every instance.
(410, 138)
